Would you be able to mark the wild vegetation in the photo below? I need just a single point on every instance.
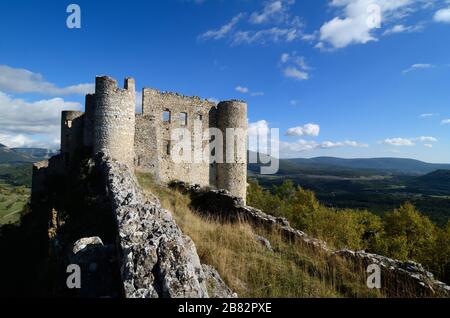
(402, 233)
(12, 203)
(250, 268)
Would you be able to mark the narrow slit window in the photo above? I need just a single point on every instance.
(166, 116)
(167, 147)
(183, 119)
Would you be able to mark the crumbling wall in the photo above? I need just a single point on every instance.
(191, 113)
(72, 126)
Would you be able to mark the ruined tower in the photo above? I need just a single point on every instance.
(71, 135)
(231, 117)
(114, 119)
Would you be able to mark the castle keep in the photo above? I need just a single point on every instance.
(144, 141)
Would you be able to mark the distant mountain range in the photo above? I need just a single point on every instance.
(339, 166)
(23, 155)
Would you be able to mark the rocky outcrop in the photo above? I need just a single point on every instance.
(409, 277)
(398, 274)
(222, 204)
(156, 259)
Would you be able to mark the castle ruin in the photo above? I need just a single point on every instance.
(144, 141)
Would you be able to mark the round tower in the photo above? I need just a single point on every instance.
(231, 119)
(114, 119)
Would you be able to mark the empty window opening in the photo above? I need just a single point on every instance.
(167, 147)
(183, 119)
(166, 116)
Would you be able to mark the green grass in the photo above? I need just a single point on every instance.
(12, 202)
(291, 270)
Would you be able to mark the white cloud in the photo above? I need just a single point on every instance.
(419, 66)
(271, 10)
(409, 142)
(16, 80)
(399, 142)
(26, 123)
(360, 19)
(442, 15)
(428, 145)
(445, 122)
(222, 31)
(306, 130)
(427, 115)
(426, 139)
(273, 23)
(241, 89)
(261, 130)
(400, 28)
(291, 149)
(246, 90)
(294, 66)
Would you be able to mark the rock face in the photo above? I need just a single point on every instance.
(397, 275)
(155, 258)
(409, 273)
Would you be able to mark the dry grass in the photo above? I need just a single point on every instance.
(252, 270)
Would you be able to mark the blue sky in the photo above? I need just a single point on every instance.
(321, 71)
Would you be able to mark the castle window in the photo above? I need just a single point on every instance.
(200, 117)
(69, 123)
(167, 147)
(166, 116)
(183, 119)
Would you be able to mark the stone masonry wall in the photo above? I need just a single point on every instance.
(114, 119)
(197, 110)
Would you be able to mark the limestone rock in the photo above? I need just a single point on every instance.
(216, 286)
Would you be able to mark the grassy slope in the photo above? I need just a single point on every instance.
(12, 201)
(250, 269)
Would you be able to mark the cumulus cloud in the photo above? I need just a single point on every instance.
(294, 66)
(306, 130)
(358, 20)
(24, 123)
(445, 122)
(442, 15)
(17, 80)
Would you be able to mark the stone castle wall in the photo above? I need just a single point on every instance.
(168, 112)
(147, 141)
